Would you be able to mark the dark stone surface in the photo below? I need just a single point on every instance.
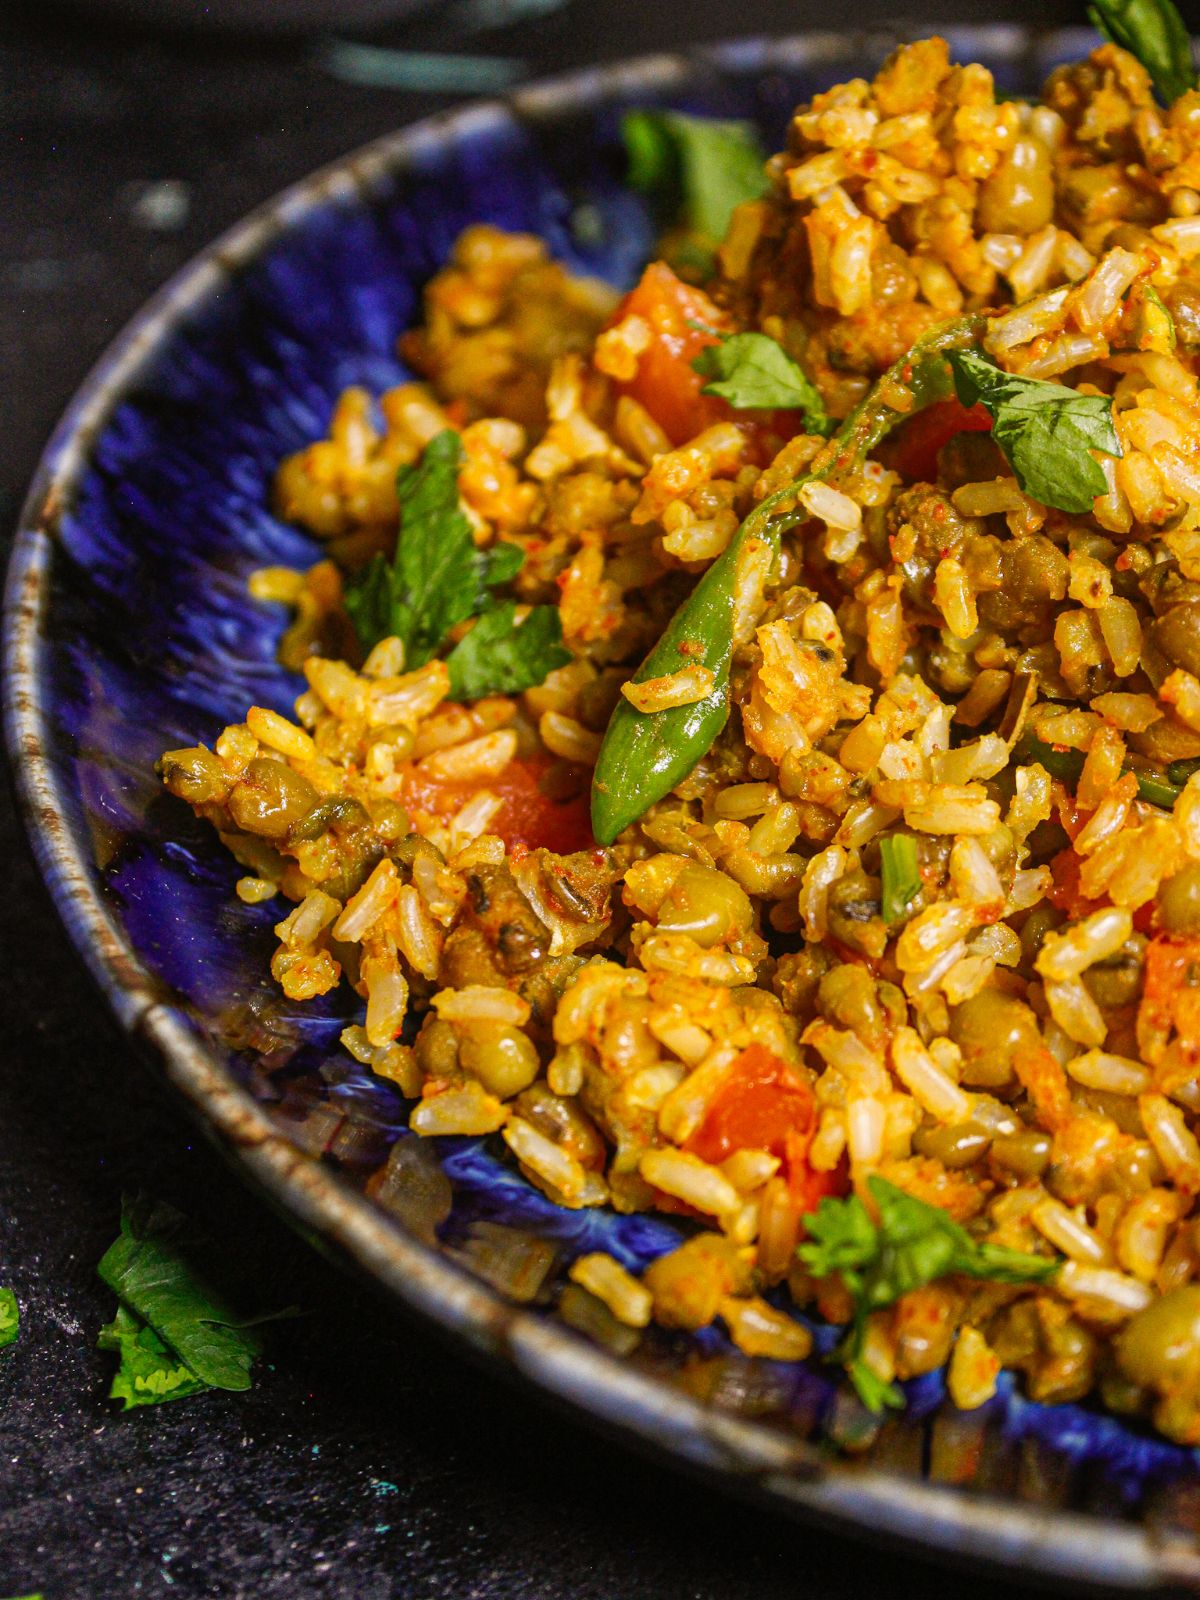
(369, 1459)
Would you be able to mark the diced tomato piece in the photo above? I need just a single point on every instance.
(665, 382)
(528, 817)
(758, 1106)
(810, 1187)
(763, 1105)
(914, 450)
(1065, 893)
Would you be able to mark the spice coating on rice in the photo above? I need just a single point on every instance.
(922, 915)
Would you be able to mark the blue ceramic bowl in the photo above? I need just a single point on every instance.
(130, 630)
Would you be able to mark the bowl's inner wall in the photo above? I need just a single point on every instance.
(152, 642)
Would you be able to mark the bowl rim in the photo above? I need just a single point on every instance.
(777, 1470)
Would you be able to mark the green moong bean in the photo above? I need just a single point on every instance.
(645, 754)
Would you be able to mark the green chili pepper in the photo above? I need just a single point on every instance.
(645, 754)
(1066, 765)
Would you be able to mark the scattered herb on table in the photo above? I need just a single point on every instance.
(1046, 431)
(175, 1333)
(751, 371)
(10, 1318)
(645, 754)
(695, 170)
(1154, 32)
(912, 1244)
(438, 580)
(901, 876)
(149, 1372)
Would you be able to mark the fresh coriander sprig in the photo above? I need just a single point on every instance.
(1046, 431)
(912, 1244)
(751, 371)
(695, 170)
(438, 580)
(1154, 32)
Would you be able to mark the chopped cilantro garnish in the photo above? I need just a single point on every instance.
(1046, 431)
(900, 874)
(752, 371)
(695, 170)
(912, 1244)
(503, 656)
(438, 580)
(1154, 32)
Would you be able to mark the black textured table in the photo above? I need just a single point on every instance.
(370, 1459)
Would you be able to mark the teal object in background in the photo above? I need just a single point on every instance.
(263, 17)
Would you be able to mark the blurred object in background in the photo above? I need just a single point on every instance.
(261, 17)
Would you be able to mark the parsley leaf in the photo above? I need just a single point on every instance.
(148, 1373)
(501, 565)
(901, 877)
(438, 579)
(151, 1270)
(10, 1318)
(1046, 431)
(1154, 32)
(435, 579)
(752, 371)
(502, 656)
(912, 1244)
(695, 170)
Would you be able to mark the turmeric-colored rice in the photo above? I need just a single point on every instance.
(1021, 1046)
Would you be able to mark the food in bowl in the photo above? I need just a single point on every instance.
(749, 763)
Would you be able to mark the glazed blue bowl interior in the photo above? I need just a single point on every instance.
(156, 492)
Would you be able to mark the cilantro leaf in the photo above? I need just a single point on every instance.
(502, 563)
(435, 579)
(502, 656)
(752, 371)
(1154, 32)
(874, 1393)
(1046, 431)
(901, 877)
(368, 601)
(438, 579)
(10, 1318)
(841, 1237)
(912, 1244)
(148, 1373)
(695, 169)
(151, 1270)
